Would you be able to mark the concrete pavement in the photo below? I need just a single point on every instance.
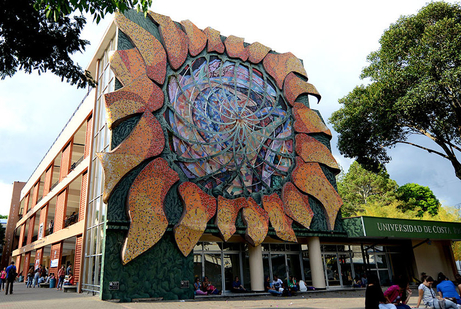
(41, 298)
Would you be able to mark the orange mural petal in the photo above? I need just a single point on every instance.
(139, 96)
(145, 202)
(279, 65)
(311, 150)
(199, 208)
(176, 42)
(308, 121)
(150, 48)
(235, 48)
(214, 40)
(280, 222)
(127, 65)
(257, 52)
(257, 221)
(295, 86)
(297, 205)
(145, 141)
(197, 39)
(227, 214)
(310, 179)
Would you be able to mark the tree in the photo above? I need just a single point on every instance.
(415, 89)
(98, 8)
(40, 35)
(29, 41)
(419, 198)
(359, 187)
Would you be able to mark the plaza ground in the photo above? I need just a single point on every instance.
(24, 298)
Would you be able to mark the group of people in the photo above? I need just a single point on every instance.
(37, 276)
(397, 296)
(278, 287)
(205, 287)
(275, 287)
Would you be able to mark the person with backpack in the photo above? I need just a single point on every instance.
(10, 277)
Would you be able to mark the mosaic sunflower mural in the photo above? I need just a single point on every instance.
(227, 120)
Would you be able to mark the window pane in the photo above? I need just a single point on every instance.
(213, 269)
(198, 266)
(278, 266)
(231, 269)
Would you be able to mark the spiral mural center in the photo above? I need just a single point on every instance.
(230, 129)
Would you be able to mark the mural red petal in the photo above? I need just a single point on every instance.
(235, 48)
(297, 205)
(145, 141)
(295, 86)
(197, 39)
(311, 150)
(257, 221)
(227, 214)
(279, 221)
(308, 121)
(176, 41)
(214, 40)
(150, 48)
(279, 65)
(145, 203)
(199, 207)
(310, 179)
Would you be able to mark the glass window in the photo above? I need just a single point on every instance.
(331, 269)
(294, 265)
(211, 246)
(198, 267)
(279, 266)
(231, 269)
(213, 269)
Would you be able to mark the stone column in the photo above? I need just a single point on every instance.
(315, 259)
(256, 268)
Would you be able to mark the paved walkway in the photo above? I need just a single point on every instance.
(41, 298)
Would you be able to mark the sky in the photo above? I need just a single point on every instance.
(333, 38)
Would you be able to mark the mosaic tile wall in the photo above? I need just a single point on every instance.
(210, 134)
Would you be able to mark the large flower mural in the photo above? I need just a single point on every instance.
(232, 126)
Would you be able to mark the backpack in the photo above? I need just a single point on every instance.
(12, 274)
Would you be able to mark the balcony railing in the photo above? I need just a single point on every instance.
(75, 164)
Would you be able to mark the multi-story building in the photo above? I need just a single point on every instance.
(198, 154)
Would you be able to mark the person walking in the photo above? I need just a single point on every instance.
(10, 277)
(37, 275)
(2, 278)
(30, 277)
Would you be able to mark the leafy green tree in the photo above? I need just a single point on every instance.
(359, 187)
(98, 8)
(31, 42)
(414, 89)
(41, 35)
(417, 197)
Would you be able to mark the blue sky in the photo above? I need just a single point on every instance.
(332, 37)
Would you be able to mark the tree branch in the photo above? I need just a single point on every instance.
(425, 148)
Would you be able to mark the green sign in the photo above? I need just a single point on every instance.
(386, 227)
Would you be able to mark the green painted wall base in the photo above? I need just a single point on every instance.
(155, 274)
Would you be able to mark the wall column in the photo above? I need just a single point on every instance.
(315, 261)
(18, 264)
(256, 268)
